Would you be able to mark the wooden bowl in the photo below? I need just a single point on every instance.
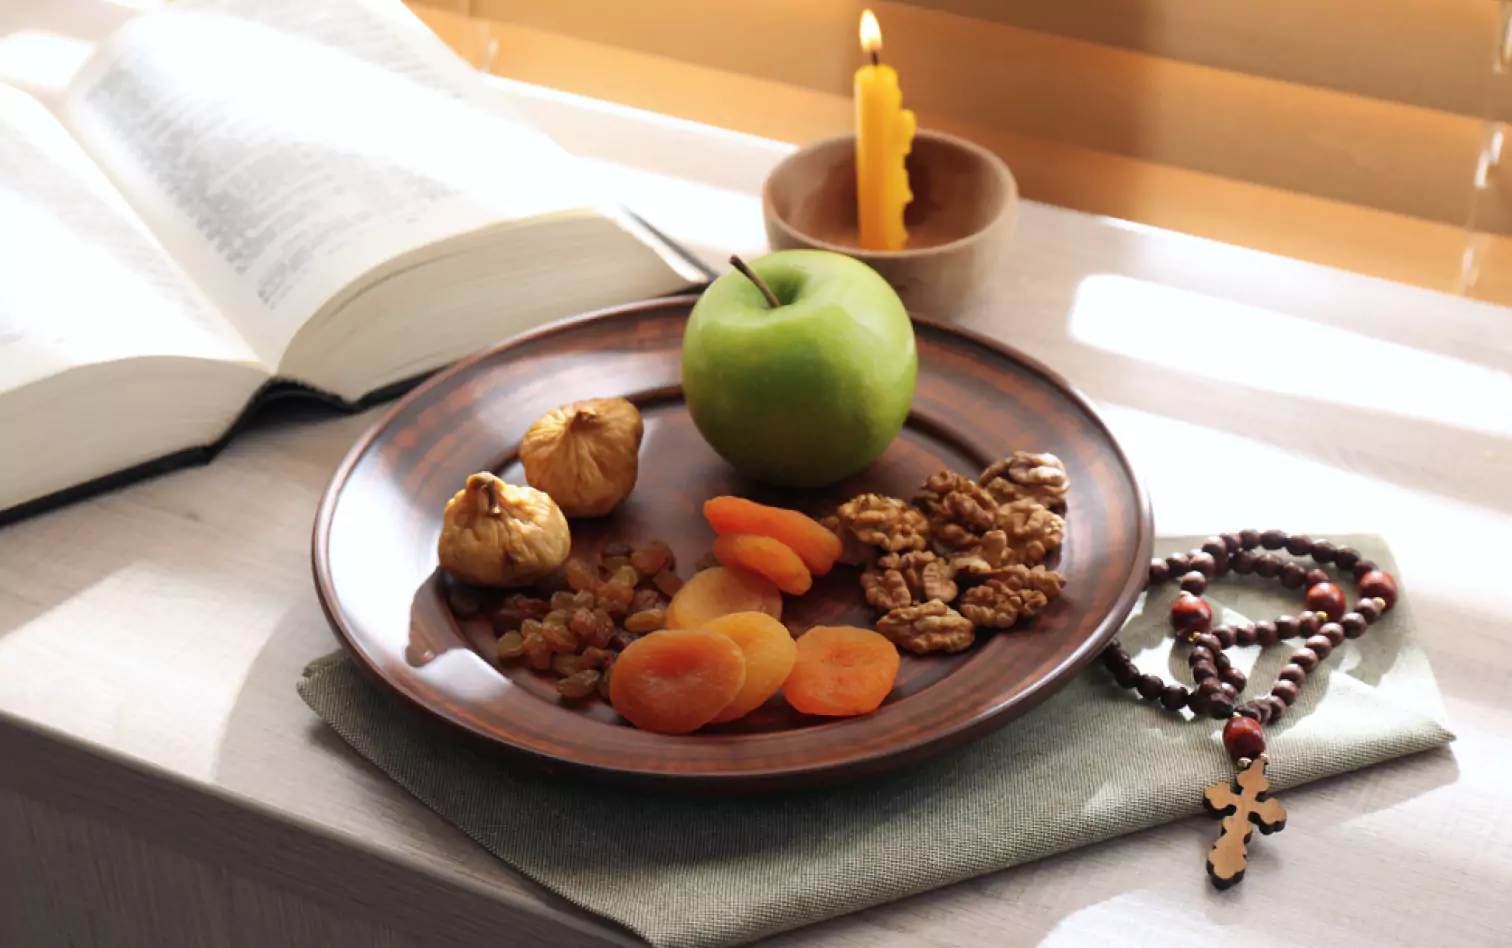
(960, 222)
(375, 553)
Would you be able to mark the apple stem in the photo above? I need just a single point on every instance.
(750, 274)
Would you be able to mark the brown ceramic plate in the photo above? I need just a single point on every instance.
(375, 553)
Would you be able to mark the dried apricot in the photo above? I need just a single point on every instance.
(769, 653)
(841, 671)
(771, 558)
(815, 545)
(674, 681)
(719, 591)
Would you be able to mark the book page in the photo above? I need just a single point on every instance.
(81, 279)
(283, 149)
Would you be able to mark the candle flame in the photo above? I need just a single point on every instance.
(871, 34)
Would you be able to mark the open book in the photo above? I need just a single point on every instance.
(242, 197)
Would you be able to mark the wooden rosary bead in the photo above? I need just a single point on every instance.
(1273, 539)
(1221, 705)
(1320, 645)
(1225, 635)
(1243, 738)
(1177, 563)
(1262, 710)
(1291, 575)
(1368, 610)
(1198, 655)
(1149, 687)
(1267, 566)
(1268, 633)
(1221, 662)
(1173, 697)
(1234, 677)
(1127, 676)
(1306, 659)
(1159, 572)
(1215, 547)
(1191, 614)
(1299, 545)
(1244, 634)
(1328, 599)
(1354, 625)
(1243, 562)
(1277, 707)
(1114, 656)
(1323, 551)
(1286, 691)
(1249, 539)
(1203, 694)
(1286, 626)
(1314, 577)
(1248, 710)
(1308, 623)
(1203, 562)
(1231, 543)
(1208, 641)
(1293, 673)
(1346, 557)
(1194, 583)
(1202, 671)
(1362, 569)
(1378, 584)
(1334, 632)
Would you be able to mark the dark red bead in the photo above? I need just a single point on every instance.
(1277, 708)
(1174, 697)
(1354, 625)
(1298, 545)
(1244, 634)
(1267, 565)
(1248, 710)
(1346, 557)
(1191, 614)
(1234, 677)
(1205, 691)
(1262, 710)
(1114, 656)
(1323, 551)
(1305, 659)
(1378, 584)
(1268, 633)
(1149, 687)
(1315, 576)
(1320, 645)
(1368, 610)
(1199, 654)
(1291, 575)
(1243, 562)
(1243, 738)
(1334, 632)
(1127, 676)
(1286, 627)
(1327, 599)
(1221, 661)
(1362, 568)
(1202, 671)
(1159, 572)
(1202, 562)
(1194, 583)
(1273, 539)
(1177, 563)
(1222, 704)
(1231, 543)
(1208, 641)
(1293, 673)
(1308, 623)
(1249, 539)
(1225, 635)
(1286, 691)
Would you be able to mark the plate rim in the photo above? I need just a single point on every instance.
(767, 778)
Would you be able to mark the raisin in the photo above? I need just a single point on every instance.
(603, 682)
(530, 627)
(579, 685)
(615, 598)
(647, 599)
(595, 657)
(648, 621)
(565, 665)
(531, 607)
(627, 574)
(562, 599)
(580, 574)
(560, 639)
(652, 559)
(668, 582)
(616, 548)
(592, 626)
(619, 640)
(511, 646)
(614, 563)
(584, 599)
(506, 619)
(537, 652)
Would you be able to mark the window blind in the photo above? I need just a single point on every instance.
(1364, 134)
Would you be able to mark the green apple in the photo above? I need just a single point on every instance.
(807, 392)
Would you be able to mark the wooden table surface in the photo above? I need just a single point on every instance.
(161, 783)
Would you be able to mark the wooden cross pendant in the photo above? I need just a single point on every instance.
(1242, 803)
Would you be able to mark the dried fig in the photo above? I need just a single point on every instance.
(498, 534)
(585, 455)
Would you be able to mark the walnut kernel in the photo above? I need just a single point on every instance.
(931, 627)
(1027, 475)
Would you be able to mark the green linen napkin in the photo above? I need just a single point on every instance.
(1091, 763)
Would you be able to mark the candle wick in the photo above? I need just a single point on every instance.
(750, 274)
(875, 57)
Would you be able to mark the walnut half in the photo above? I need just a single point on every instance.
(903, 579)
(931, 627)
(885, 522)
(1027, 475)
(1017, 592)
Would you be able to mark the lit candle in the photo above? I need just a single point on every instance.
(884, 134)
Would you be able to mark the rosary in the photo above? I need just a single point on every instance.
(1246, 802)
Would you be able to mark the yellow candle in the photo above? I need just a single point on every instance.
(884, 134)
